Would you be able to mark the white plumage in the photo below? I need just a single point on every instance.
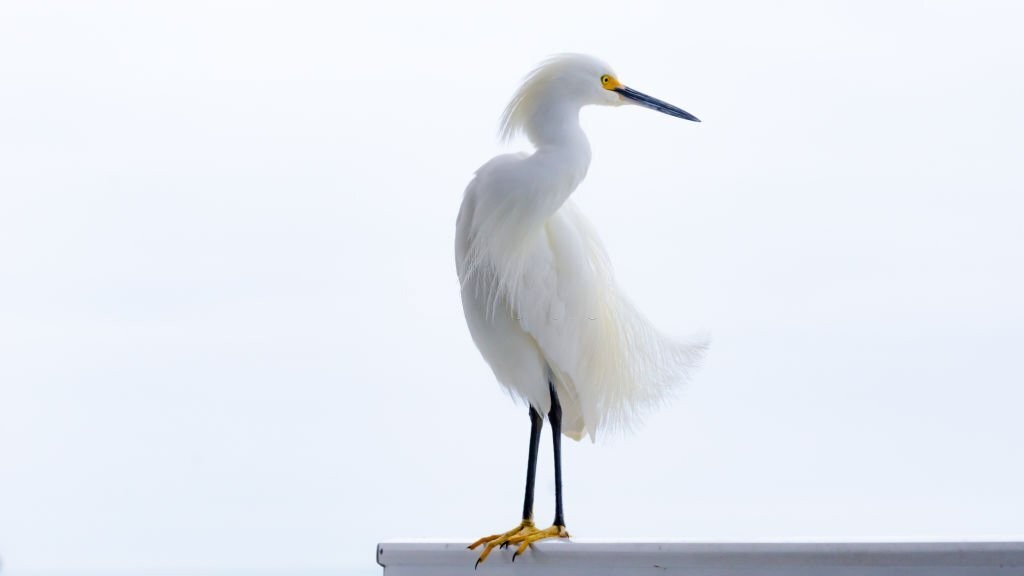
(538, 290)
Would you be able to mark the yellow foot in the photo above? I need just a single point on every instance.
(523, 535)
(495, 540)
(527, 537)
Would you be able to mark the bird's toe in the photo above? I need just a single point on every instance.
(502, 540)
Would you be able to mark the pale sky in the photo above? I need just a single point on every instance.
(231, 339)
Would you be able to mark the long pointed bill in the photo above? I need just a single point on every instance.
(655, 104)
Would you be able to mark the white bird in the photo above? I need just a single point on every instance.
(538, 291)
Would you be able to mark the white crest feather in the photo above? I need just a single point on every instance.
(517, 119)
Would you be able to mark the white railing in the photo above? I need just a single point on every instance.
(767, 558)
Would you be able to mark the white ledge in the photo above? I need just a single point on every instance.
(762, 558)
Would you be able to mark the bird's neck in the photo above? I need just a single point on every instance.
(562, 166)
(562, 157)
(557, 168)
(555, 121)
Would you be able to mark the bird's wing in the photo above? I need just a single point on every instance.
(512, 354)
(608, 357)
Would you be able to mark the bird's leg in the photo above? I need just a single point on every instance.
(555, 417)
(495, 540)
(557, 530)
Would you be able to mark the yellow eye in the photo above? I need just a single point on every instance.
(608, 82)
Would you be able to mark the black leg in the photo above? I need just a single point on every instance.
(555, 417)
(536, 423)
(503, 540)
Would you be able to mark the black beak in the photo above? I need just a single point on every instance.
(655, 104)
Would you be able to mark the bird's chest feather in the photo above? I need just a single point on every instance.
(555, 284)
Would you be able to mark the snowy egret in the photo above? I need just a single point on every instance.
(537, 288)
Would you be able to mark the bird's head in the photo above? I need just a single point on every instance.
(574, 80)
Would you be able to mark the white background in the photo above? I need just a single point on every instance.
(230, 333)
